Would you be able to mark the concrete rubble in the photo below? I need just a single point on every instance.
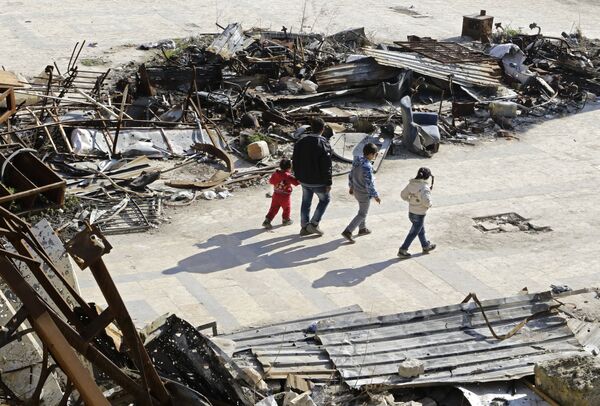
(94, 153)
(570, 381)
(411, 368)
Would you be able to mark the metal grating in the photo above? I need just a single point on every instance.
(128, 215)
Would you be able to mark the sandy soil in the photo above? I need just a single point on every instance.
(35, 33)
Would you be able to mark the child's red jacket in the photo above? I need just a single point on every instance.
(283, 182)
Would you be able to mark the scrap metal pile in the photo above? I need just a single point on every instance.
(212, 113)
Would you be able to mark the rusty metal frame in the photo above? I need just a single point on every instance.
(8, 94)
(60, 329)
(25, 178)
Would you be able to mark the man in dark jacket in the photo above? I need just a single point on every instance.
(312, 168)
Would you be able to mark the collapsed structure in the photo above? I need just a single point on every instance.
(327, 359)
(110, 149)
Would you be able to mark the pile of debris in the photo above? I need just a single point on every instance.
(507, 223)
(59, 349)
(216, 112)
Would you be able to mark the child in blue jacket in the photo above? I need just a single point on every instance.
(362, 187)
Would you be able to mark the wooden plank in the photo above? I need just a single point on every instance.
(288, 352)
(292, 361)
(31, 192)
(272, 373)
(296, 383)
(9, 79)
(38, 123)
(314, 377)
(61, 130)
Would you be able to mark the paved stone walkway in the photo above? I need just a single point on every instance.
(214, 262)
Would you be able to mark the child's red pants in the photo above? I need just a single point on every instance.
(280, 200)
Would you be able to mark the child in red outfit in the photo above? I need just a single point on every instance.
(282, 181)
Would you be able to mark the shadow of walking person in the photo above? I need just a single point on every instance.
(292, 257)
(226, 251)
(351, 276)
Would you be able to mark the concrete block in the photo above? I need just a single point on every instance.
(255, 379)
(381, 399)
(489, 226)
(411, 368)
(302, 400)
(573, 381)
(289, 396)
(258, 150)
(270, 401)
(509, 228)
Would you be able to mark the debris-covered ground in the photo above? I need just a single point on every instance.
(120, 143)
(98, 153)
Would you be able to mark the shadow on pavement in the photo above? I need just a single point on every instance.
(227, 251)
(352, 276)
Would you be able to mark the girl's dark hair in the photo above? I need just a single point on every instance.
(423, 173)
(285, 164)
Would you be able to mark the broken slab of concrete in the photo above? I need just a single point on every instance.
(571, 381)
(411, 368)
(302, 400)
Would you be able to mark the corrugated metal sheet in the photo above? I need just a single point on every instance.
(231, 41)
(466, 74)
(453, 342)
(587, 333)
(286, 348)
(362, 73)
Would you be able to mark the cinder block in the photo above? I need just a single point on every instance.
(411, 368)
(573, 381)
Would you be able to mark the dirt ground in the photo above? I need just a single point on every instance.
(37, 32)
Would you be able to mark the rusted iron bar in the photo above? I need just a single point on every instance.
(120, 120)
(50, 334)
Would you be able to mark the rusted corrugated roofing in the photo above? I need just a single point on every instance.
(454, 342)
(484, 74)
(287, 348)
(361, 73)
